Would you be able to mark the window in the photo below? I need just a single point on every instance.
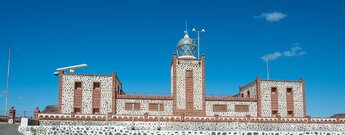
(290, 113)
(189, 73)
(154, 107)
(220, 108)
(241, 108)
(242, 95)
(189, 105)
(77, 85)
(134, 106)
(77, 110)
(96, 85)
(274, 113)
(95, 110)
(248, 93)
(274, 90)
(289, 90)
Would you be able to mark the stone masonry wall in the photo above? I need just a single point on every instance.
(282, 104)
(251, 88)
(87, 83)
(144, 107)
(196, 67)
(111, 130)
(231, 108)
(207, 126)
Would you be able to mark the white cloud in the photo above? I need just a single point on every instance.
(272, 16)
(294, 51)
(272, 56)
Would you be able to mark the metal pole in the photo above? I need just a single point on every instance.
(267, 70)
(198, 44)
(132, 116)
(159, 117)
(8, 78)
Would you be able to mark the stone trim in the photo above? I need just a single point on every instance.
(241, 108)
(220, 108)
(91, 74)
(138, 118)
(96, 96)
(231, 99)
(154, 106)
(189, 89)
(290, 101)
(113, 94)
(274, 100)
(282, 80)
(304, 97)
(61, 73)
(258, 95)
(173, 64)
(129, 105)
(203, 83)
(78, 97)
(248, 85)
(144, 97)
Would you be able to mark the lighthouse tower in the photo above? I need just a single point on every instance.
(188, 79)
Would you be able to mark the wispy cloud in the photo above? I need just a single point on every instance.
(272, 16)
(294, 51)
(271, 56)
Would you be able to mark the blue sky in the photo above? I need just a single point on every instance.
(138, 38)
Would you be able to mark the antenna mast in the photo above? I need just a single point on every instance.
(267, 70)
(186, 25)
(8, 78)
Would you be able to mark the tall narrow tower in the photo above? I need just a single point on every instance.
(188, 79)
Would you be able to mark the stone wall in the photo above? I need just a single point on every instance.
(297, 88)
(196, 67)
(111, 130)
(206, 126)
(251, 88)
(87, 83)
(231, 108)
(97, 127)
(144, 107)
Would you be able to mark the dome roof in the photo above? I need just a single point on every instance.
(185, 41)
(186, 48)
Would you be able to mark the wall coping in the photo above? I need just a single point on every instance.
(171, 118)
(231, 99)
(139, 97)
